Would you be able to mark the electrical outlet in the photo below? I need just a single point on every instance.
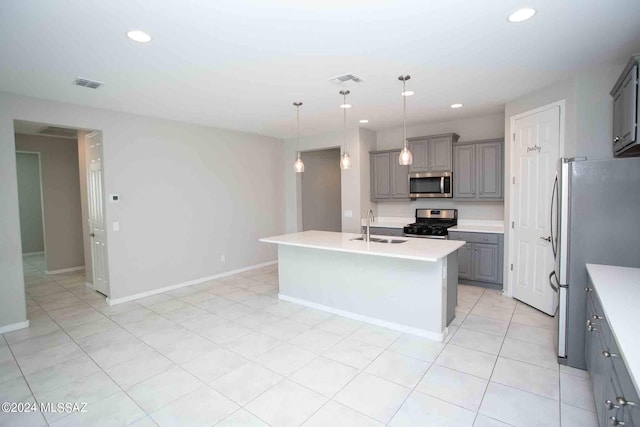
(348, 214)
(223, 259)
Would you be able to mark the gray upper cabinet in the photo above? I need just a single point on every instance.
(399, 177)
(389, 179)
(432, 153)
(439, 154)
(380, 176)
(478, 170)
(464, 165)
(489, 170)
(626, 113)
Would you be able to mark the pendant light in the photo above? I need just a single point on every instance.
(405, 157)
(345, 159)
(298, 166)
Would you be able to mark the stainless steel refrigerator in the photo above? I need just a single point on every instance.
(595, 218)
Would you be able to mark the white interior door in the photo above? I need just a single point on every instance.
(96, 212)
(536, 145)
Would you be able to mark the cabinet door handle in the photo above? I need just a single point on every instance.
(590, 328)
(605, 353)
(610, 405)
(616, 139)
(588, 289)
(596, 317)
(624, 402)
(615, 422)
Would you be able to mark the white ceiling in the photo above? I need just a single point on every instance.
(239, 64)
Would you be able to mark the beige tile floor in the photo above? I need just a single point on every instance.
(228, 353)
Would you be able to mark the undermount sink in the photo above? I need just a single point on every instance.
(381, 240)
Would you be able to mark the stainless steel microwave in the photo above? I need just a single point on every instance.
(430, 184)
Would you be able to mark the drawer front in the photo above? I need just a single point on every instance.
(474, 237)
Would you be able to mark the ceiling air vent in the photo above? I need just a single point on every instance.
(91, 84)
(347, 79)
(57, 131)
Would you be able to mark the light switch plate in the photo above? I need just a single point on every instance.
(116, 226)
(348, 214)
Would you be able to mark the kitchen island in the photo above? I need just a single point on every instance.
(409, 286)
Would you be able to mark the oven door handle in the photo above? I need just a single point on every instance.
(442, 184)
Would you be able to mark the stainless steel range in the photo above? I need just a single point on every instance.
(432, 223)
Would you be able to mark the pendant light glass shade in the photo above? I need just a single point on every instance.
(298, 165)
(345, 158)
(405, 157)
(345, 161)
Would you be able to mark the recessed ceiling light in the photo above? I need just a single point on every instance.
(345, 105)
(364, 121)
(407, 93)
(456, 105)
(522, 14)
(139, 36)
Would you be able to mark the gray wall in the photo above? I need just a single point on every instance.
(189, 195)
(31, 233)
(61, 198)
(320, 193)
(469, 129)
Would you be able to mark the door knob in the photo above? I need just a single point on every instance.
(92, 234)
(548, 239)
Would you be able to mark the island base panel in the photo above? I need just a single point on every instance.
(403, 294)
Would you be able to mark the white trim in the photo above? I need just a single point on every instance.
(351, 315)
(512, 125)
(115, 301)
(32, 253)
(89, 286)
(64, 270)
(14, 327)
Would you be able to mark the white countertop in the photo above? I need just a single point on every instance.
(417, 249)
(479, 226)
(619, 291)
(390, 222)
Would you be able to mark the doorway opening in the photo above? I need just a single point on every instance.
(59, 176)
(320, 190)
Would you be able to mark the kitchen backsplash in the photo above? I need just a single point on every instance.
(466, 210)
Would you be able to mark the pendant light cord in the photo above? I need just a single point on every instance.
(345, 122)
(298, 129)
(404, 113)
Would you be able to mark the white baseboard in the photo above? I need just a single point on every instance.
(14, 327)
(378, 322)
(121, 300)
(33, 253)
(89, 286)
(64, 270)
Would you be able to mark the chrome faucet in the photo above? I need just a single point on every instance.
(370, 218)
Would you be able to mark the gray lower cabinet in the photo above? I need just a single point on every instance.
(480, 259)
(384, 231)
(616, 398)
(432, 153)
(389, 179)
(478, 170)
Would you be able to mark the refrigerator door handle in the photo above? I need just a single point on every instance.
(555, 288)
(553, 198)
